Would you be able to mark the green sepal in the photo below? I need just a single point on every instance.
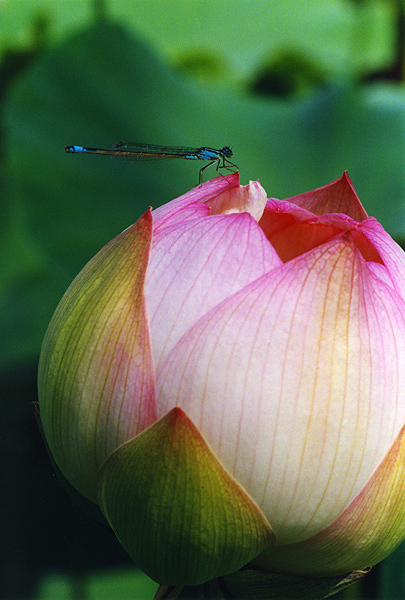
(255, 584)
(179, 514)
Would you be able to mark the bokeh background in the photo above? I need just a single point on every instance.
(301, 91)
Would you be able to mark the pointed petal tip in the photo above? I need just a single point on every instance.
(338, 196)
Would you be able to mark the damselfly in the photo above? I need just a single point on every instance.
(134, 151)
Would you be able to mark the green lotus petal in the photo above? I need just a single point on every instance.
(179, 514)
(96, 377)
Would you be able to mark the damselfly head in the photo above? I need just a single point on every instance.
(226, 151)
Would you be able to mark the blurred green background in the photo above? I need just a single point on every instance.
(301, 91)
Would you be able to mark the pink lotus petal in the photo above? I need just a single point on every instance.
(197, 264)
(392, 255)
(367, 531)
(295, 382)
(339, 196)
(191, 204)
(294, 231)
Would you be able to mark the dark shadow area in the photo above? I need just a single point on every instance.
(42, 529)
